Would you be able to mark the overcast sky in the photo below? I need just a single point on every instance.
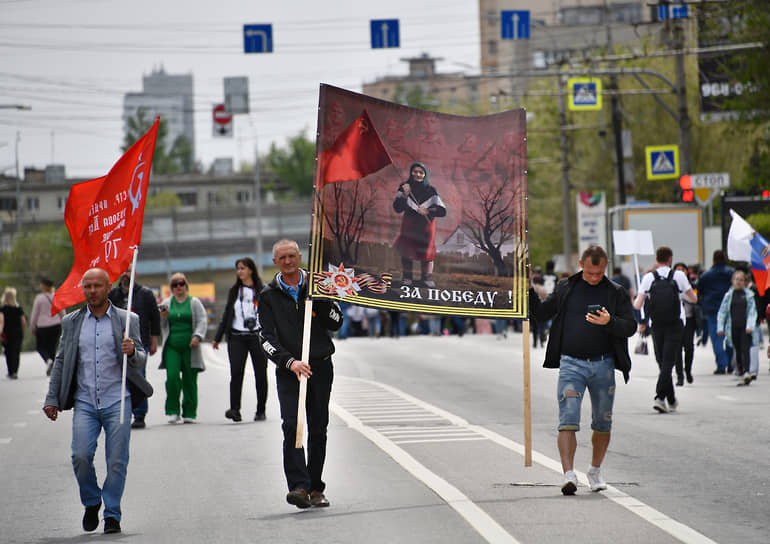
(73, 60)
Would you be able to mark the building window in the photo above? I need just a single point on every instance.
(188, 199)
(33, 204)
(492, 47)
(243, 196)
(61, 203)
(491, 18)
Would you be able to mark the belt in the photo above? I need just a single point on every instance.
(595, 358)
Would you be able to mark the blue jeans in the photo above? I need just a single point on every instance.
(574, 376)
(722, 352)
(87, 423)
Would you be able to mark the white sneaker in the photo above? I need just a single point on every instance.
(595, 479)
(173, 419)
(672, 406)
(569, 486)
(189, 420)
(660, 406)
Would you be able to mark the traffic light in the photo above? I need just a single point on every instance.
(765, 194)
(685, 185)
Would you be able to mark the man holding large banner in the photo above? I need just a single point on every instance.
(281, 315)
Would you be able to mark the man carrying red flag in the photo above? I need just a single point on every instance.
(104, 218)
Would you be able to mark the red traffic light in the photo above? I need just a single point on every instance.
(765, 194)
(688, 196)
(685, 182)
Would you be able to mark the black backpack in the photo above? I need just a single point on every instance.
(664, 305)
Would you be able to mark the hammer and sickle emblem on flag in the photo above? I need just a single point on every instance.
(136, 198)
(363, 126)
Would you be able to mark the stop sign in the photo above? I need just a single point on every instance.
(220, 117)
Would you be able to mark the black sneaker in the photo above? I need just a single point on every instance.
(235, 415)
(138, 423)
(259, 416)
(111, 526)
(91, 517)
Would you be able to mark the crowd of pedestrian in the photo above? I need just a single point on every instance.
(583, 320)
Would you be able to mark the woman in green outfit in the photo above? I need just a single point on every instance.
(183, 324)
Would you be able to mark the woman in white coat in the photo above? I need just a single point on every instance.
(183, 325)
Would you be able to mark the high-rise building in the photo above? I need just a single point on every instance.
(171, 97)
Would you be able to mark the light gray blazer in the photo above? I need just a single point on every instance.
(63, 383)
(200, 323)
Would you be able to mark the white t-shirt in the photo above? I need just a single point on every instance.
(679, 278)
(244, 308)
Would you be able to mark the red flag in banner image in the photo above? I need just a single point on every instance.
(104, 218)
(357, 152)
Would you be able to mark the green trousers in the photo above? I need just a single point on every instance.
(181, 378)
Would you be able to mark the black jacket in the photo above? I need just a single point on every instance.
(281, 320)
(226, 325)
(622, 322)
(144, 305)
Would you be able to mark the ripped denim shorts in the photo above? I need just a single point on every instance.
(575, 375)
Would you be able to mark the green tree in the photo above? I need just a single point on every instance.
(414, 96)
(43, 252)
(167, 160)
(164, 200)
(295, 164)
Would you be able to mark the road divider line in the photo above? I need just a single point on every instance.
(674, 528)
(487, 527)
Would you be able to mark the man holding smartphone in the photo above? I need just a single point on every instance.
(592, 321)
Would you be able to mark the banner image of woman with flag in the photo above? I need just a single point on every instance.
(464, 220)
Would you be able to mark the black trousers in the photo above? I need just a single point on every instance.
(12, 353)
(47, 339)
(742, 345)
(688, 345)
(239, 346)
(300, 472)
(667, 343)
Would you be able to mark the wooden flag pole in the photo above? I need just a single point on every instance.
(301, 403)
(125, 335)
(527, 397)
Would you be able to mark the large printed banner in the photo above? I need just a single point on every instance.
(419, 211)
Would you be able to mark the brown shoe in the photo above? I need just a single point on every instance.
(317, 499)
(299, 498)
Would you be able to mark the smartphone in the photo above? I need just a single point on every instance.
(594, 309)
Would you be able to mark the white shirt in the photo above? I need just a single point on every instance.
(245, 307)
(679, 278)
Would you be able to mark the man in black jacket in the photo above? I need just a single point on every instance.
(144, 305)
(281, 315)
(592, 320)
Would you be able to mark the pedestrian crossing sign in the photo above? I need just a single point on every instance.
(585, 93)
(662, 161)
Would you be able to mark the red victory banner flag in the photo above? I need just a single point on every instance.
(104, 218)
(357, 152)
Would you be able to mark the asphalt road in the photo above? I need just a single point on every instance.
(425, 445)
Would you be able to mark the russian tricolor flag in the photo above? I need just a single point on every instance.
(746, 244)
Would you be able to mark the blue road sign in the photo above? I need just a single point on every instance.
(257, 38)
(514, 25)
(384, 33)
(674, 10)
(662, 161)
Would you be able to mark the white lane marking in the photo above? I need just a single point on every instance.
(487, 527)
(427, 440)
(20, 424)
(726, 397)
(5, 440)
(674, 528)
(34, 412)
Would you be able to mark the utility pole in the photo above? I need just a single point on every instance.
(617, 118)
(675, 30)
(566, 199)
(258, 207)
(18, 186)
